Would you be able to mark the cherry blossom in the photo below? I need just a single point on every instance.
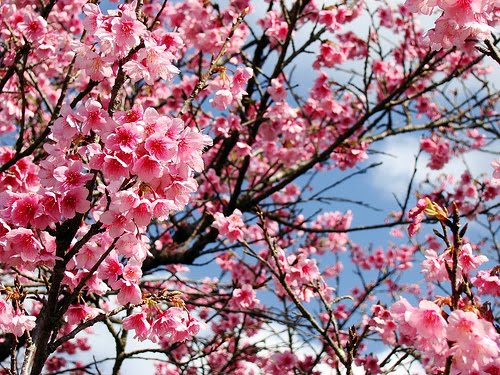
(183, 170)
(231, 227)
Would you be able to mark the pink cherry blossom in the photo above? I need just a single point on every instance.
(21, 323)
(434, 266)
(34, 28)
(116, 165)
(71, 176)
(111, 269)
(96, 66)
(22, 243)
(139, 323)
(487, 282)
(117, 222)
(475, 341)
(161, 147)
(129, 292)
(147, 168)
(222, 99)
(417, 215)
(176, 323)
(280, 362)
(93, 117)
(132, 273)
(189, 142)
(428, 322)
(469, 261)
(244, 298)
(125, 138)
(152, 62)
(496, 167)
(93, 17)
(231, 226)
(277, 90)
(127, 30)
(166, 163)
(25, 209)
(73, 201)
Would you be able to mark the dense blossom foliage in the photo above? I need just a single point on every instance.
(160, 174)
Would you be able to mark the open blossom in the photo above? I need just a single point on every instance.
(93, 117)
(329, 56)
(439, 150)
(160, 147)
(277, 90)
(191, 143)
(78, 313)
(302, 270)
(222, 100)
(244, 298)
(231, 226)
(117, 222)
(460, 23)
(275, 26)
(152, 62)
(469, 261)
(399, 311)
(487, 282)
(434, 266)
(129, 292)
(132, 273)
(93, 17)
(22, 243)
(111, 269)
(139, 323)
(25, 209)
(281, 363)
(383, 323)
(175, 324)
(124, 138)
(21, 323)
(449, 33)
(33, 28)
(73, 201)
(127, 30)
(475, 341)
(71, 176)
(428, 322)
(239, 82)
(96, 66)
(14, 322)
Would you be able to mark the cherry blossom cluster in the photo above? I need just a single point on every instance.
(148, 140)
(117, 34)
(334, 241)
(112, 169)
(231, 227)
(439, 149)
(455, 331)
(461, 22)
(230, 89)
(13, 320)
(174, 324)
(469, 194)
(466, 336)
